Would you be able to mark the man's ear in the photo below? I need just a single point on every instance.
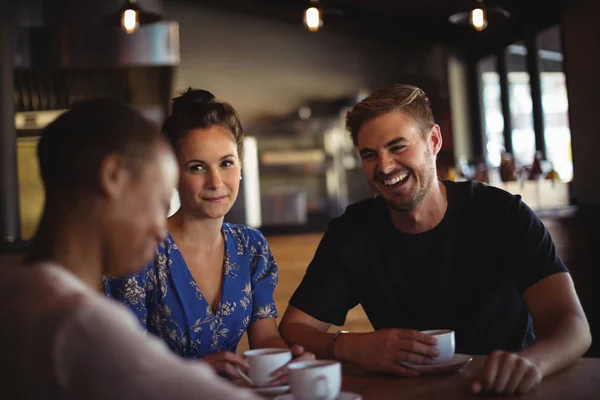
(113, 176)
(435, 139)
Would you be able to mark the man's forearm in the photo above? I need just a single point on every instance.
(312, 339)
(568, 340)
(319, 342)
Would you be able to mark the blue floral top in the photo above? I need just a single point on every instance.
(169, 304)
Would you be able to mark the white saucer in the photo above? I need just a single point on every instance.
(341, 396)
(272, 391)
(457, 362)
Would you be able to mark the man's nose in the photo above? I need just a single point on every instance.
(386, 163)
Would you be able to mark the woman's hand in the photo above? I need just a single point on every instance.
(226, 363)
(298, 354)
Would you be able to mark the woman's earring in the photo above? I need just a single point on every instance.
(240, 177)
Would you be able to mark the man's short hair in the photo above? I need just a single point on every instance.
(408, 99)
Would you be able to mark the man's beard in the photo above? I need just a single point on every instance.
(416, 198)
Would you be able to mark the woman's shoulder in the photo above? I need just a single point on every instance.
(166, 245)
(244, 233)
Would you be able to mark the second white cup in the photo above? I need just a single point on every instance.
(445, 346)
(319, 379)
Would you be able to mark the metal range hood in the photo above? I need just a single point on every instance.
(62, 53)
(96, 46)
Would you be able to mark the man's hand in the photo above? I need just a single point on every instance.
(508, 373)
(383, 350)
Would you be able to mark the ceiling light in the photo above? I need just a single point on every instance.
(313, 18)
(479, 16)
(478, 19)
(130, 16)
(130, 20)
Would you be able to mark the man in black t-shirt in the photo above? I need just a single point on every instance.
(431, 254)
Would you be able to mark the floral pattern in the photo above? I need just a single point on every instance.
(167, 301)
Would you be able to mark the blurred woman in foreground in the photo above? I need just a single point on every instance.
(108, 176)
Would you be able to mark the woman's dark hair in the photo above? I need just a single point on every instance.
(198, 109)
(73, 146)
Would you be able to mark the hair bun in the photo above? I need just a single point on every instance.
(190, 98)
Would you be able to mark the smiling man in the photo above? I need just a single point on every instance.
(432, 254)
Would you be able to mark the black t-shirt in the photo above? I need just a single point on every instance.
(467, 274)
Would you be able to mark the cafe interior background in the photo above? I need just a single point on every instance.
(514, 86)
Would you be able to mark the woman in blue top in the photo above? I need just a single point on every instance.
(211, 281)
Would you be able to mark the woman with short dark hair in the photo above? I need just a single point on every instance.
(108, 176)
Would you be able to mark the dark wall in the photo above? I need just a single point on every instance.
(581, 32)
(59, 12)
(266, 66)
(582, 67)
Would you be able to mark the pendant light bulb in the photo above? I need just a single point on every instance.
(478, 19)
(130, 18)
(312, 19)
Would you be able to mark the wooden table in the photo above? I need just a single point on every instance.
(578, 382)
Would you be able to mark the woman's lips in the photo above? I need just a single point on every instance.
(214, 199)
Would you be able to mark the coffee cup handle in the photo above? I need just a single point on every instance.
(243, 375)
(321, 387)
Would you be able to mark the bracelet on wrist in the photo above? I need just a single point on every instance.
(332, 342)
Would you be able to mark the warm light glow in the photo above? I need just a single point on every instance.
(478, 19)
(130, 20)
(312, 19)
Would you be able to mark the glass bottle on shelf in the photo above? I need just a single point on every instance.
(535, 172)
(508, 170)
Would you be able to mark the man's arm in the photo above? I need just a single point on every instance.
(563, 332)
(298, 327)
(324, 297)
(563, 337)
(379, 351)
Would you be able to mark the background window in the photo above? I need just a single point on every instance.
(555, 103)
(492, 111)
(523, 135)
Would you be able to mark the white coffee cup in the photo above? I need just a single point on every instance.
(445, 346)
(262, 363)
(319, 379)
